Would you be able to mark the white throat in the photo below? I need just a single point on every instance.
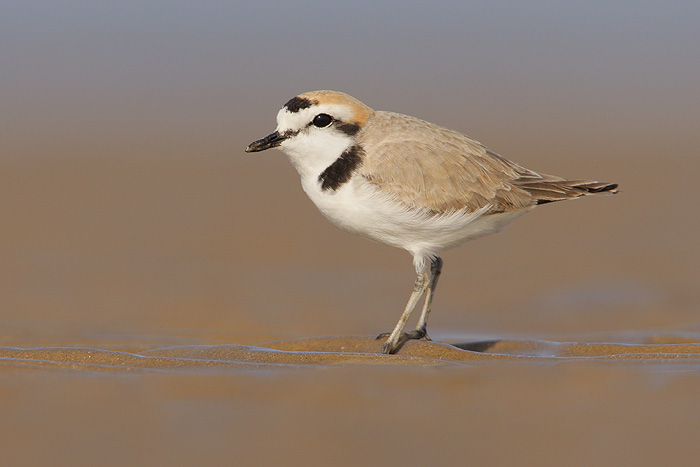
(311, 154)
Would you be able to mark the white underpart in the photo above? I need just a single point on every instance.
(361, 209)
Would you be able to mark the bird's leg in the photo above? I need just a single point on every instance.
(421, 284)
(421, 331)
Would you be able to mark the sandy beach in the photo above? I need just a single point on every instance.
(336, 401)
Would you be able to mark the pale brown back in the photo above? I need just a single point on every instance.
(432, 168)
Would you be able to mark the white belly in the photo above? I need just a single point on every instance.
(359, 208)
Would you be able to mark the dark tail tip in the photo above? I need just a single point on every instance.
(611, 187)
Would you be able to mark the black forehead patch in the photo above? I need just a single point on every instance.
(295, 104)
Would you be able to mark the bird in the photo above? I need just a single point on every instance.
(407, 183)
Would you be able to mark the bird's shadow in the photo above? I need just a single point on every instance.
(478, 346)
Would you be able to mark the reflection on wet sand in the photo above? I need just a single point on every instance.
(340, 350)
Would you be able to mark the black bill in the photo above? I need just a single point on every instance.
(270, 141)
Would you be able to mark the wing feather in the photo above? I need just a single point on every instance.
(431, 168)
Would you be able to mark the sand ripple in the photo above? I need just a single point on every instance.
(343, 350)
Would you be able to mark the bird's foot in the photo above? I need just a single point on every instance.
(388, 348)
(391, 347)
(420, 334)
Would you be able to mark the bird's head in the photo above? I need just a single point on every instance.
(315, 128)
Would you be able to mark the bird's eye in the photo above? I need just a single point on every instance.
(322, 120)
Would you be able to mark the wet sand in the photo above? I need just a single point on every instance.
(333, 400)
(331, 351)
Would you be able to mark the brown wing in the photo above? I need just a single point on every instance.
(429, 167)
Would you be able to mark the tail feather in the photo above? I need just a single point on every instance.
(547, 190)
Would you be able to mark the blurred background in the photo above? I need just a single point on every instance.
(130, 213)
(131, 218)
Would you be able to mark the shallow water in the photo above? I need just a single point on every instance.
(668, 350)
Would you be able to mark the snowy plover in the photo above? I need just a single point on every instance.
(407, 183)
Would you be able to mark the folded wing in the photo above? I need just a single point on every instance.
(431, 168)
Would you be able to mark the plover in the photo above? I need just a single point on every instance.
(407, 183)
